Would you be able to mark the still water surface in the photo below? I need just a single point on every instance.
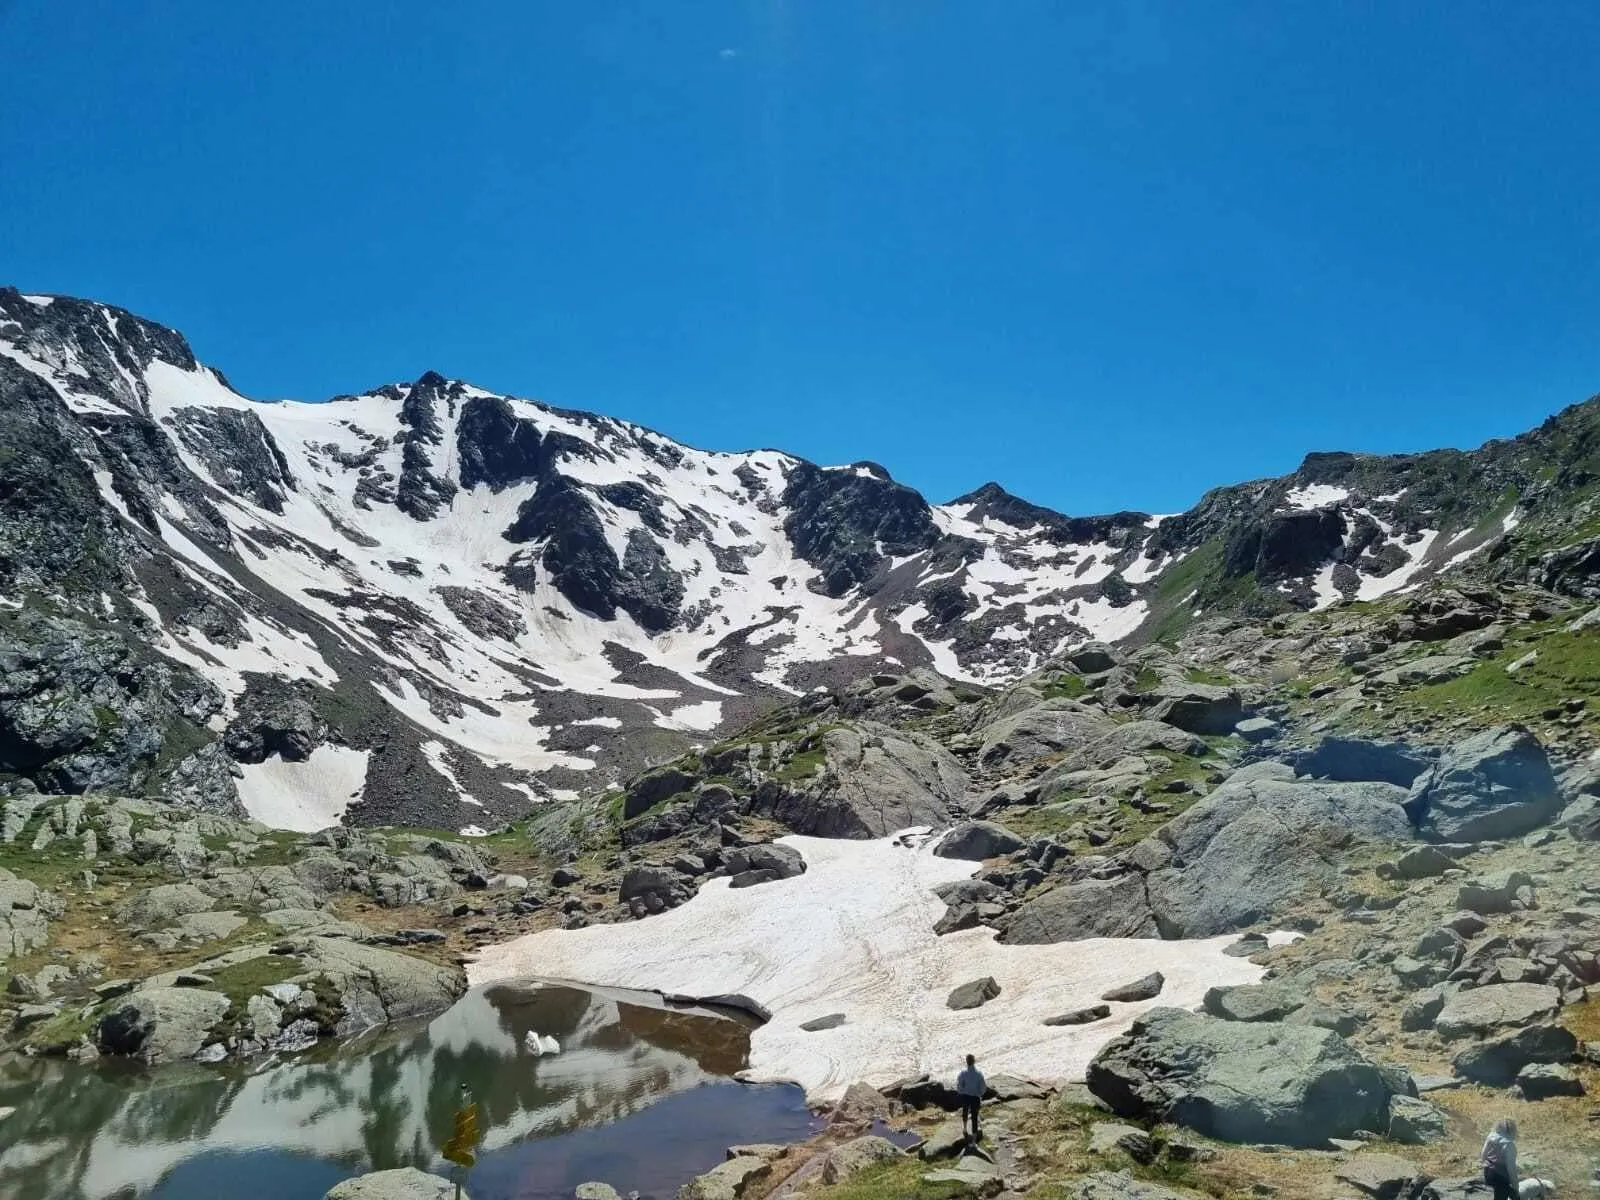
(640, 1097)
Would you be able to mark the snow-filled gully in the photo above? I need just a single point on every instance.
(854, 935)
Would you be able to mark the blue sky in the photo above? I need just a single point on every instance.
(1107, 254)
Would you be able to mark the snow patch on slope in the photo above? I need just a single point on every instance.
(854, 934)
(304, 796)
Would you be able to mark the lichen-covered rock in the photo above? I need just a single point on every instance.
(1240, 1081)
(404, 1183)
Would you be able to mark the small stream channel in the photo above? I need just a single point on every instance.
(640, 1097)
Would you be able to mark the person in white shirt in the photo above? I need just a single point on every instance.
(970, 1086)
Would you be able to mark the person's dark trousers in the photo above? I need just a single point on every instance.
(969, 1112)
(1501, 1185)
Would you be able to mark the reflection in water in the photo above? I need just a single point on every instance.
(290, 1131)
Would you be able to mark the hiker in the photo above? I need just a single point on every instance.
(1500, 1159)
(970, 1086)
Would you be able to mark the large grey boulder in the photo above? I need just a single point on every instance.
(1414, 1121)
(1496, 1061)
(1381, 1176)
(1352, 760)
(1484, 1010)
(1258, 841)
(25, 909)
(975, 841)
(1493, 785)
(727, 1180)
(151, 908)
(1252, 1002)
(857, 1155)
(406, 1183)
(1050, 727)
(1243, 1082)
(160, 1025)
(876, 781)
(377, 986)
(1496, 893)
(1120, 742)
(1091, 658)
(1089, 908)
(1199, 707)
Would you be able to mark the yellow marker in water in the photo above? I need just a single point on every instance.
(458, 1147)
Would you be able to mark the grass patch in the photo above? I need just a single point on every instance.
(62, 1031)
(803, 764)
(1065, 686)
(897, 1180)
(243, 980)
(1567, 667)
(1207, 675)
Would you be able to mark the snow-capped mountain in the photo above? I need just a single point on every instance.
(432, 604)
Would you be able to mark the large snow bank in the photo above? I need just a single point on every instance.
(854, 935)
(304, 796)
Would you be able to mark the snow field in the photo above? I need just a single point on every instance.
(304, 796)
(854, 935)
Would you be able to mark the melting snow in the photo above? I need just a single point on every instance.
(854, 934)
(304, 796)
(1316, 495)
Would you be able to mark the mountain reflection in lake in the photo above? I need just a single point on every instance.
(639, 1098)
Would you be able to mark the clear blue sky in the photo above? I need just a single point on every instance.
(1107, 254)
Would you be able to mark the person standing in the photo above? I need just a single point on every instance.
(970, 1087)
(1500, 1159)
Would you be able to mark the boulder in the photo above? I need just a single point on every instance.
(1049, 727)
(1496, 893)
(1091, 658)
(1414, 1121)
(875, 781)
(1423, 862)
(1382, 1176)
(1541, 1081)
(1259, 841)
(975, 841)
(785, 862)
(947, 1140)
(727, 1180)
(405, 1183)
(1147, 987)
(819, 1024)
(1258, 729)
(1355, 760)
(160, 1025)
(857, 1155)
(151, 908)
(1485, 1010)
(1081, 1016)
(1493, 785)
(1089, 908)
(1252, 1002)
(1240, 1081)
(974, 994)
(1497, 1061)
(1111, 1137)
(377, 986)
(594, 1190)
(1199, 707)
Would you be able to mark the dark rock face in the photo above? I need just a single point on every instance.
(81, 709)
(275, 717)
(496, 447)
(238, 452)
(1291, 1085)
(1286, 545)
(421, 493)
(1495, 784)
(483, 615)
(838, 521)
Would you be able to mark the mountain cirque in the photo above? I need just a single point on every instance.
(432, 605)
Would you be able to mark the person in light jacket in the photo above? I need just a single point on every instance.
(970, 1086)
(1500, 1160)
